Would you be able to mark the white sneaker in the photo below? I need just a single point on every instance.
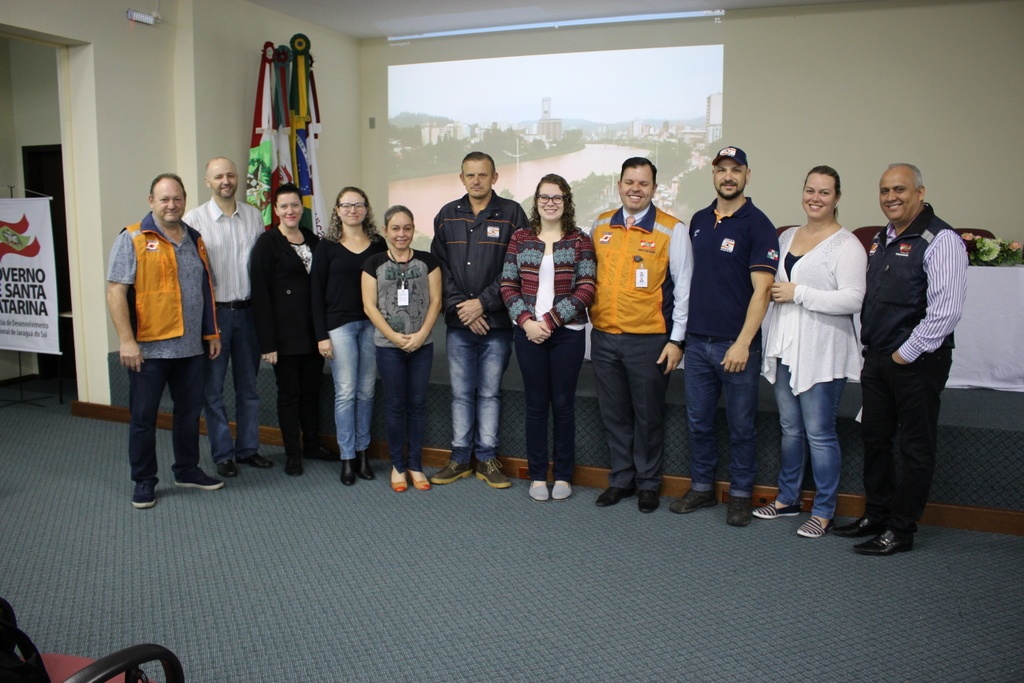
(561, 491)
(539, 491)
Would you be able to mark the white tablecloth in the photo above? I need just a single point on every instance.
(987, 354)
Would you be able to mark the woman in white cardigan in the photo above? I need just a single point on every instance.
(812, 348)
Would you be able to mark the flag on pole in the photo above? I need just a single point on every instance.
(320, 216)
(286, 127)
(262, 147)
(282, 121)
(304, 132)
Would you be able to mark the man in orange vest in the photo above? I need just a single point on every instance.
(160, 296)
(639, 316)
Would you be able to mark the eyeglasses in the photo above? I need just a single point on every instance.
(550, 199)
(358, 206)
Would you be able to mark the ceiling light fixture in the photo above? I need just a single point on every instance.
(712, 13)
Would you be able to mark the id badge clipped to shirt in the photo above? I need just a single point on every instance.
(640, 274)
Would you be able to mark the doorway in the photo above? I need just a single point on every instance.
(43, 168)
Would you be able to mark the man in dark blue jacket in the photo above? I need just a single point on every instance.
(916, 286)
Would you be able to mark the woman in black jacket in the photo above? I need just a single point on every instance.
(279, 269)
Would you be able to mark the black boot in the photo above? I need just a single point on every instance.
(348, 474)
(363, 466)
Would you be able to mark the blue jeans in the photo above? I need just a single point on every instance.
(550, 372)
(239, 345)
(808, 424)
(705, 381)
(354, 374)
(405, 378)
(477, 363)
(184, 377)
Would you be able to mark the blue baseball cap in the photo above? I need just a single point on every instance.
(734, 153)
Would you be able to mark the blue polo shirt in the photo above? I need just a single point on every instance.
(725, 251)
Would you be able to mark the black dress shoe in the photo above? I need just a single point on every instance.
(613, 495)
(865, 526)
(227, 469)
(320, 453)
(348, 475)
(363, 470)
(888, 542)
(648, 501)
(293, 465)
(256, 460)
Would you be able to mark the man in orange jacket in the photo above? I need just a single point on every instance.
(160, 296)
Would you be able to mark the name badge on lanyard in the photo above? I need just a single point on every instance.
(640, 275)
(403, 293)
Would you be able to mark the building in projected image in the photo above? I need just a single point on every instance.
(548, 128)
(713, 118)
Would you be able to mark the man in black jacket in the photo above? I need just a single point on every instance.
(471, 236)
(916, 285)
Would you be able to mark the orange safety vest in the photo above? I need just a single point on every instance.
(158, 310)
(619, 305)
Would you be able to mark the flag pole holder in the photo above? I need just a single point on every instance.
(21, 400)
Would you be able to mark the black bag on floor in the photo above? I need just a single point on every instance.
(27, 668)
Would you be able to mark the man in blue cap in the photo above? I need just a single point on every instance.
(735, 256)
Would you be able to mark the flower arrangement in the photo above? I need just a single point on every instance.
(989, 251)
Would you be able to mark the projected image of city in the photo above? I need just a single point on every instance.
(579, 115)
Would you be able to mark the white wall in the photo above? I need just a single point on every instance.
(140, 100)
(856, 86)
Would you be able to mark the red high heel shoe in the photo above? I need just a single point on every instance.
(398, 485)
(419, 480)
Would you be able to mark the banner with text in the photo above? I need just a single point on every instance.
(28, 282)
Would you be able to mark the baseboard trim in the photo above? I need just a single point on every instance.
(994, 520)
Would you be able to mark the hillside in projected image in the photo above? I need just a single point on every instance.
(579, 115)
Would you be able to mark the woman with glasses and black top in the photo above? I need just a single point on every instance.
(344, 334)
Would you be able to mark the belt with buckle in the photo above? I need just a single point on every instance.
(234, 305)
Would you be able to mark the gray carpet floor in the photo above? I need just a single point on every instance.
(275, 578)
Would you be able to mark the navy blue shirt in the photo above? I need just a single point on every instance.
(725, 252)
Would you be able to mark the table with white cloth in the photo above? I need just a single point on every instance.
(986, 354)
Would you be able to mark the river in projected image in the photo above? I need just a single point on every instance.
(426, 196)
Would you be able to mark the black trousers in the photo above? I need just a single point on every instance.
(298, 401)
(901, 399)
(631, 397)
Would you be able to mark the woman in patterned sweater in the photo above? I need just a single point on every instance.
(547, 284)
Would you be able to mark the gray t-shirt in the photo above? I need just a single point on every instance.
(190, 281)
(392, 277)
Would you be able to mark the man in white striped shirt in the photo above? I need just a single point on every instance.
(229, 229)
(916, 285)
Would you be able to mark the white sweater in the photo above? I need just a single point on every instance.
(814, 334)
